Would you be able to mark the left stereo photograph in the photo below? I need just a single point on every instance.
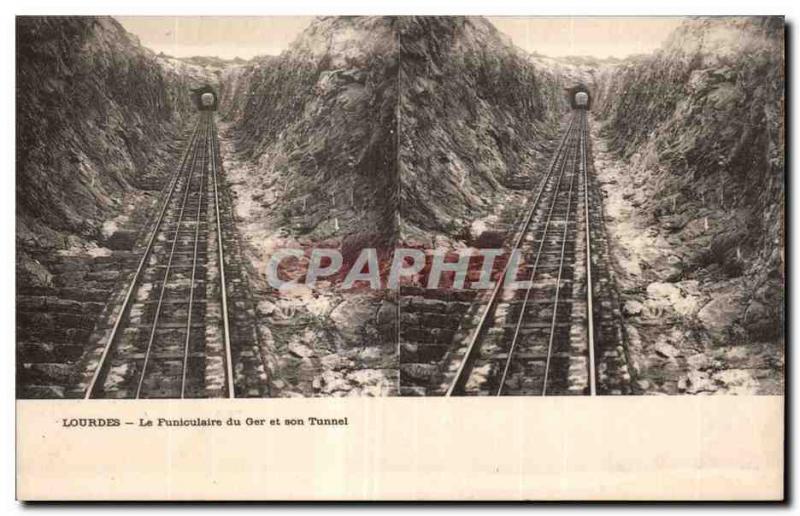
(155, 183)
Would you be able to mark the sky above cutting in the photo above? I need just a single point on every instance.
(221, 36)
(600, 37)
(249, 36)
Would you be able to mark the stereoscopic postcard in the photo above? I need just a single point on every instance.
(400, 258)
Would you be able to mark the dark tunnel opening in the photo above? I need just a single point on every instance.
(574, 98)
(205, 98)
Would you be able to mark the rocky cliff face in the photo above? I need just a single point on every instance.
(310, 150)
(367, 120)
(701, 122)
(318, 122)
(572, 71)
(97, 121)
(477, 117)
(475, 114)
(94, 110)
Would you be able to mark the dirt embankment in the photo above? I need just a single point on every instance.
(692, 157)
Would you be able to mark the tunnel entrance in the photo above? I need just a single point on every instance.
(205, 98)
(576, 101)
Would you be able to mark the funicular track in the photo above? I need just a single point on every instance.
(183, 328)
(538, 340)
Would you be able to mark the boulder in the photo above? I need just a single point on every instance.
(632, 307)
(670, 295)
(352, 316)
(737, 381)
(299, 349)
(696, 382)
(665, 349)
(335, 361)
(331, 381)
(720, 314)
(420, 373)
(761, 322)
(699, 361)
(32, 273)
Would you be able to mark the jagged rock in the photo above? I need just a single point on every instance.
(760, 321)
(669, 295)
(406, 390)
(332, 381)
(665, 349)
(632, 307)
(335, 361)
(72, 176)
(31, 272)
(267, 308)
(699, 361)
(371, 381)
(279, 384)
(696, 382)
(634, 338)
(121, 240)
(51, 373)
(419, 372)
(682, 384)
(673, 115)
(739, 381)
(326, 119)
(369, 354)
(666, 290)
(387, 314)
(352, 316)
(43, 391)
(300, 350)
(408, 352)
(719, 314)
(487, 99)
(387, 321)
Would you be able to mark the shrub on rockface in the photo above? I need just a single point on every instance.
(705, 116)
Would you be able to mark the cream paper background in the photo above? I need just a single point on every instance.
(609, 448)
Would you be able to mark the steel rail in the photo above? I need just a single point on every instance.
(460, 378)
(198, 220)
(561, 262)
(223, 292)
(90, 389)
(589, 293)
(167, 271)
(534, 269)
